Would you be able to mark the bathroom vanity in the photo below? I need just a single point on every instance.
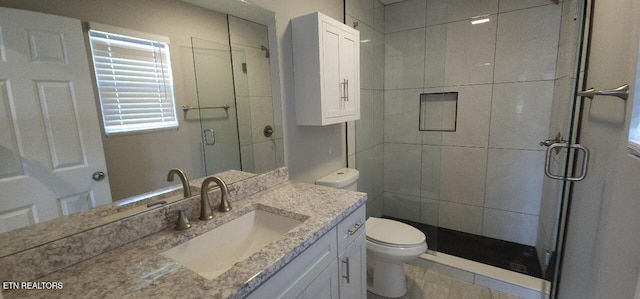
(324, 252)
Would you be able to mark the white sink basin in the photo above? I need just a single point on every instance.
(215, 252)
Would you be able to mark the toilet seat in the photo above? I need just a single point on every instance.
(393, 233)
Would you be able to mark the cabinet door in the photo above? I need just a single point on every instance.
(325, 286)
(353, 275)
(331, 84)
(349, 72)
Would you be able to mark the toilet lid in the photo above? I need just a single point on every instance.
(393, 232)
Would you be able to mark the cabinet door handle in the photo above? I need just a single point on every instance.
(346, 81)
(346, 262)
(355, 229)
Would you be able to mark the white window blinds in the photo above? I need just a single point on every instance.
(135, 84)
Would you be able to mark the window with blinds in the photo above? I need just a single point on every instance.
(135, 84)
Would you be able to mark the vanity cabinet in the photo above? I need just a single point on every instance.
(325, 269)
(326, 63)
(352, 255)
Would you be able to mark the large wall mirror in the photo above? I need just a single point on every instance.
(53, 141)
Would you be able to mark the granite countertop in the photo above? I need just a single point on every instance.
(139, 270)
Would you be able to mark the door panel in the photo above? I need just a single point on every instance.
(331, 80)
(349, 69)
(50, 141)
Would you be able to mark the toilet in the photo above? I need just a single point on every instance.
(390, 243)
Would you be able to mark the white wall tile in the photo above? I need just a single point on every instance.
(463, 175)
(246, 152)
(514, 180)
(258, 72)
(431, 160)
(245, 133)
(279, 152)
(374, 205)
(472, 124)
(429, 211)
(509, 5)
(520, 114)
(351, 161)
(401, 206)
(569, 41)
(405, 15)
(366, 55)
(402, 168)
(364, 126)
(378, 16)
(404, 59)
(378, 117)
(378, 60)
(435, 55)
(443, 11)
(261, 116)
(401, 116)
(432, 137)
(509, 226)
(460, 217)
(264, 156)
(470, 52)
(527, 44)
(370, 164)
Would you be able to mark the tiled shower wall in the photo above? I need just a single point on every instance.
(366, 135)
(486, 178)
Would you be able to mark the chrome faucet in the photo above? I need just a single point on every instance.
(183, 178)
(205, 207)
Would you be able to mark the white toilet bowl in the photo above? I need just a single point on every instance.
(389, 244)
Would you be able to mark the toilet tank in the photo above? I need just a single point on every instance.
(344, 178)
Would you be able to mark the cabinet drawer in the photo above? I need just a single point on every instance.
(351, 227)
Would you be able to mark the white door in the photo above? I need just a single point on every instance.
(50, 143)
(349, 71)
(332, 84)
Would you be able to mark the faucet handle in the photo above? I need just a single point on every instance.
(183, 221)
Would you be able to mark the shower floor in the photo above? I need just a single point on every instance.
(503, 254)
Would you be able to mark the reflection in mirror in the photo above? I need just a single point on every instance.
(62, 111)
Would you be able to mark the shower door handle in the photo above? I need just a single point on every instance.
(205, 136)
(558, 146)
(621, 92)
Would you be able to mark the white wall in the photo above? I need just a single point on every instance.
(310, 152)
(602, 243)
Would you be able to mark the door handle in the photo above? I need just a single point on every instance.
(346, 81)
(347, 276)
(206, 138)
(98, 176)
(558, 146)
(621, 92)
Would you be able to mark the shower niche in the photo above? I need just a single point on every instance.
(438, 111)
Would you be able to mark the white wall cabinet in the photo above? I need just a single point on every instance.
(333, 267)
(326, 63)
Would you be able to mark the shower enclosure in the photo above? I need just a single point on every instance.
(456, 98)
(233, 81)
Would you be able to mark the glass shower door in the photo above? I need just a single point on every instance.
(217, 105)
